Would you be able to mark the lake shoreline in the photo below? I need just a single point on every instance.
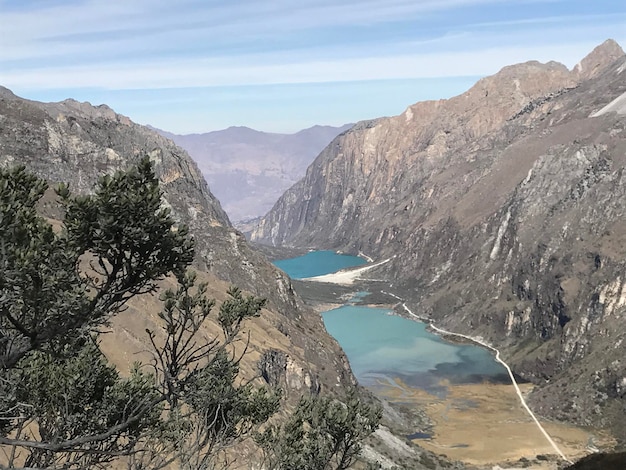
(423, 410)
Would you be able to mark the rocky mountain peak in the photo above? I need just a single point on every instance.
(515, 85)
(598, 59)
(6, 93)
(85, 109)
(454, 123)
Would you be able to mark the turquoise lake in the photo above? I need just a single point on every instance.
(317, 263)
(382, 347)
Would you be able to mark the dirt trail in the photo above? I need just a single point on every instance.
(506, 366)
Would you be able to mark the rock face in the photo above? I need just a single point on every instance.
(504, 209)
(76, 143)
(606, 53)
(249, 170)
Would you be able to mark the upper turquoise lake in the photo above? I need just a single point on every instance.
(317, 263)
(382, 346)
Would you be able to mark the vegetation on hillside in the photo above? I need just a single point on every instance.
(321, 434)
(62, 405)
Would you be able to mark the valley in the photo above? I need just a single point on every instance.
(286, 346)
(439, 286)
(461, 402)
(496, 214)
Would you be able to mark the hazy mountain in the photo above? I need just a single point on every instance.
(503, 211)
(249, 170)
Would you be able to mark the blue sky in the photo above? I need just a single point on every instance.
(283, 65)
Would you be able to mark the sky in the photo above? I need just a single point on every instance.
(189, 66)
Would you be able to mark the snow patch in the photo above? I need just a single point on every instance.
(618, 105)
(497, 245)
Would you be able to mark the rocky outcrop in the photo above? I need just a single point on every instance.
(273, 366)
(278, 369)
(77, 143)
(595, 63)
(601, 461)
(504, 208)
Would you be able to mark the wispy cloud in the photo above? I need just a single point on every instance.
(85, 29)
(163, 44)
(215, 72)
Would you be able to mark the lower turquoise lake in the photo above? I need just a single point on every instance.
(382, 346)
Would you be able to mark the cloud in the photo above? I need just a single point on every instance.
(214, 72)
(156, 44)
(83, 29)
(103, 16)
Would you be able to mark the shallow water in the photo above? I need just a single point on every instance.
(382, 347)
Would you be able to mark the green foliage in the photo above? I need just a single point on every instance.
(69, 398)
(206, 409)
(47, 298)
(236, 309)
(322, 434)
(41, 293)
(124, 225)
(60, 400)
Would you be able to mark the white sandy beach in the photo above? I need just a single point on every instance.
(345, 277)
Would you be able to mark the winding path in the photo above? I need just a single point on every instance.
(506, 366)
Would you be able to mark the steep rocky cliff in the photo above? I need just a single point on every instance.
(503, 209)
(76, 143)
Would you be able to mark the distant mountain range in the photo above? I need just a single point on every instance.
(248, 170)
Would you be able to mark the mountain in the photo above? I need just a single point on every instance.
(288, 345)
(502, 211)
(249, 170)
(76, 143)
